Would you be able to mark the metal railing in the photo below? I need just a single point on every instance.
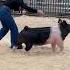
(52, 7)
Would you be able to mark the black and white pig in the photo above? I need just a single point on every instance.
(54, 35)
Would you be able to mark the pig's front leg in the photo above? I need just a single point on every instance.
(28, 46)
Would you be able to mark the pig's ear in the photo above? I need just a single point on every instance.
(59, 21)
(64, 22)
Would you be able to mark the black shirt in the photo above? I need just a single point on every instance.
(15, 4)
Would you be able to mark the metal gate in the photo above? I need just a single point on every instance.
(52, 7)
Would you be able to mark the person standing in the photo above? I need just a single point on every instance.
(8, 23)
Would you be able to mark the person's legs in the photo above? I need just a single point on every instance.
(3, 32)
(9, 22)
(4, 29)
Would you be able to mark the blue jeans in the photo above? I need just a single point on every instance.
(8, 23)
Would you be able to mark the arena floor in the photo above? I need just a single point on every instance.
(39, 57)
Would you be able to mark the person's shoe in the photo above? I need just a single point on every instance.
(17, 47)
(13, 47)
(20, 47)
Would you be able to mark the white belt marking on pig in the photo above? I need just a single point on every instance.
(55, 35)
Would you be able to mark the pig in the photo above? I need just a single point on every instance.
(54, 35)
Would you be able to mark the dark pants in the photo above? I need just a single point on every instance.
(8, 23)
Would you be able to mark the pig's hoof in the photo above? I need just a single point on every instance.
(27, 49)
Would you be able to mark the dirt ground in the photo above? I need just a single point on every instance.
(39, 57)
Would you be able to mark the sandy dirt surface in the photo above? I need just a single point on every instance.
(39, 57)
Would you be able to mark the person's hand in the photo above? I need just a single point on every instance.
(40, 13)
(24, 12)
